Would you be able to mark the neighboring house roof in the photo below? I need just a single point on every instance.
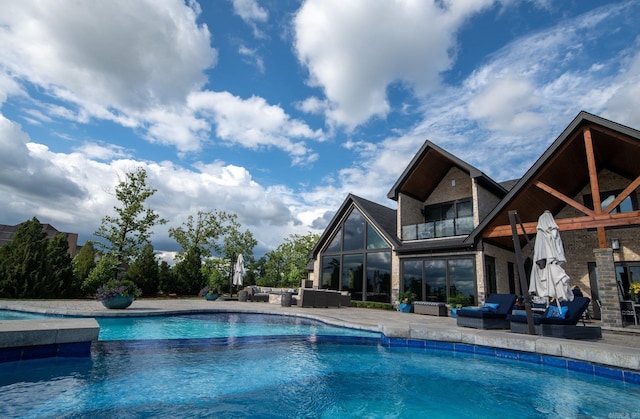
(564, 167)
(427, 169)
(383, 218)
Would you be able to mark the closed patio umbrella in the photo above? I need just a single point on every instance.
(548, 278)
(238, 271)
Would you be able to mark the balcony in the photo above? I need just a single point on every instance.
(437, 229)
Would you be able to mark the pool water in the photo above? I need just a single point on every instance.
(217, 325)
(298, 379)
(252, 365)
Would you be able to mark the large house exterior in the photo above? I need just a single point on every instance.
(451, 236)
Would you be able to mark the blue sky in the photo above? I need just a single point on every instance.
(276, 110)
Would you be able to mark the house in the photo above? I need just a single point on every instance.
(451, 234)
(7, 232)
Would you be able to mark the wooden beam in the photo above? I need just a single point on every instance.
(564, 198)
(622, 196)
(593, 171)
(570, 224)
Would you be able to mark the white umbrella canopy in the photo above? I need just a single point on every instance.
(548, 278)
(238, 271)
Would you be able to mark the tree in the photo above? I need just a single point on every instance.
(100, 274)
(166, 279)
(59, 270)
(207, 235)
(83, 263)
(203, 232)
(22, 262)
(188, 272)
(286, 266)
(130, 229)
(144, 271)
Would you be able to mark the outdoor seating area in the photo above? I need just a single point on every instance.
(491, 315)
(312, 297)
(558, 323)
(303, 297)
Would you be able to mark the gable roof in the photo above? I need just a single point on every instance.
(383, 218)
(427, 169)
(563, 171)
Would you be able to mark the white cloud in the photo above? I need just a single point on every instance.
(506, 106)
(112, 55)
(254, 124)
(252, 57)
(251, 13)
(354, 50)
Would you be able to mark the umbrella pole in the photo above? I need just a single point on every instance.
(523, 280)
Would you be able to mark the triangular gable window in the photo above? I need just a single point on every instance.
(374, 240)
(336, 243)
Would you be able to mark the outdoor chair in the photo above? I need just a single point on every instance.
(564, 326)
(492, 314)
(254, 293)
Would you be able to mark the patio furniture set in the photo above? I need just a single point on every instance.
(303, 297)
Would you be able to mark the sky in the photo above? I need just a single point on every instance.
(276, 110)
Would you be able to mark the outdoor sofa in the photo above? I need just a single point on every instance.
(491, 315)
(565, 326)
(313, 297)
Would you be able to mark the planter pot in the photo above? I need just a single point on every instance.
(454, 312)
(118, 302)
(404, 308)
(211, 297)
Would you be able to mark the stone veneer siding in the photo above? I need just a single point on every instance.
(607, 288)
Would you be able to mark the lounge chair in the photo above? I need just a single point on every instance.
(492, 314)
(565, 326)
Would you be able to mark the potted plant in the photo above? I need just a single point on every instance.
(458, 301)
(118, 294)
(209, 293)
(634, 290)
(406, 300)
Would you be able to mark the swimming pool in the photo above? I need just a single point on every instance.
(292, 376)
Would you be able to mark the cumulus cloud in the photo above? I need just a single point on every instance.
(355, 60)
(107, 55)
(254, 124)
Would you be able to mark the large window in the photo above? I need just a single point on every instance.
(629, 204)
(358, 260)
(438, 279)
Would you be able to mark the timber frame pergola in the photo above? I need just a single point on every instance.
(587, 146)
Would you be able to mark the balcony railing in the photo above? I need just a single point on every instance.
(435, 229)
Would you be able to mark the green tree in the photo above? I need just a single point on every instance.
(127, 232)
(188, 272)
(166, 279)
(100, 274)
(23, 262)
(59, 270)
(84, 262)
(209, 234)
(286, 266)
(204, 232)
(144, 271)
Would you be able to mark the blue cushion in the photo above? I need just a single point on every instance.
(557, 312)
(492, 307)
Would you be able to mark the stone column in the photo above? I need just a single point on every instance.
(608, 288)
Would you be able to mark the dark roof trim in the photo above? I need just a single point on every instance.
(482, 178)
(383, 218)
(580, 119)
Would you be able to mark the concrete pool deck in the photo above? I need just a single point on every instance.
(619, 348)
